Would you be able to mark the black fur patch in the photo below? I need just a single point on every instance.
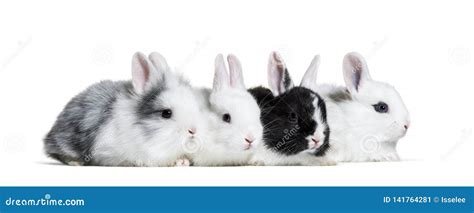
(287, 82)
(283, 132)
(322, 108)
(261, 94)
(327, 132)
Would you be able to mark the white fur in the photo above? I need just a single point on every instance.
(308, 81)
(311, 74)
(358, 132)
(276, 72)
(124, 142)
(319, 132)
(228, 146)
(268, 157)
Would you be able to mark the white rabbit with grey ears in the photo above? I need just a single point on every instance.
(367, 117)
(144, 122)
(235, 119)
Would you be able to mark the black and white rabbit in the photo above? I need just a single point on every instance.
(143, 122)
(294, 119)
(367, 117)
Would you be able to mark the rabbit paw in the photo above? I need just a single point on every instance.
(328, 163)
(257, 163)
(75, 163)
(182, 162)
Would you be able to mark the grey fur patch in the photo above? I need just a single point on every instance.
(73, 135)
(183, 81)
(357, 74)
(340, 95)
(147, 104)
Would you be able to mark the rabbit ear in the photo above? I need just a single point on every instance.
(355, 71)
(221, 76)
(235, 70)
(159, 62)
(311, 75)
(278, 77)
(144, 73)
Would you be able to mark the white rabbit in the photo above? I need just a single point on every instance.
(235, 119)
(367, 117)
(143, 122)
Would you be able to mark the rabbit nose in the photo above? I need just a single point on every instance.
(316, 141)
(249, 140)
(406, 126)
(192, 131)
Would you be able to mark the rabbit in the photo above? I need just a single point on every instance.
(235, 119)
(143, 122)
(296, 131)
(367, 117)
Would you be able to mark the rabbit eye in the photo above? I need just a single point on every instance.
(226, 118)
(167, 113)
(293, 117)
(381, 107)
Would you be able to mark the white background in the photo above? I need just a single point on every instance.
(51, 50)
